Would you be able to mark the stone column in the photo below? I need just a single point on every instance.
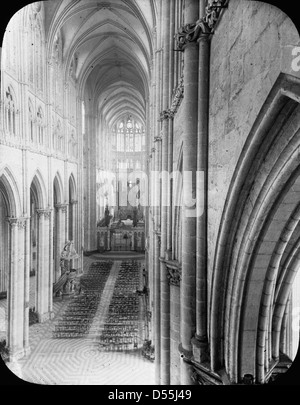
(201, 341)
(171, 122)
(157, 307)
(43, 276)
(65, 233)
(157, 192)
(164, 285)
(188, 290)
(48, 267)
(40, 265)
(90, 183)
(16, 305)
(21, 277)
(157, 163)
(57, 240)
(75, 225)
(61, 236)
(74, 204)
(52, 276)
(151, 239)
(27, 286)
(12, 292)
(170, 186)
(174, 276)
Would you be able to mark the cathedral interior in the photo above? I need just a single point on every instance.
(150, 192)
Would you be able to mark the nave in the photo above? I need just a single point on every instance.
(164, 128)
(96, 337)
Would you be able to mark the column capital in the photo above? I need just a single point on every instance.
(186, 35)
(171, 114)
(173, 275)
(12, 221)
(46, 213)
(164, 115)
(74, 202)
(22, 223)
(191, 32)
(19, 222)
(157, 139)
(62, 207)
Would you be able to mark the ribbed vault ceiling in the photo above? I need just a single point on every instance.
(111, 43)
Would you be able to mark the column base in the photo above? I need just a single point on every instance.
(15, 354)
(186, 373)
(186, 368)
(27, 351)
(46, 316)
(200, 349)
(168, 255)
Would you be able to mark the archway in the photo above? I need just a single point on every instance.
(257, 254)
(33, 252)
(13, 314)
(4, 245)
(4, 261)
(36, 236)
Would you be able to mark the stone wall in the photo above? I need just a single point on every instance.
(252, 45)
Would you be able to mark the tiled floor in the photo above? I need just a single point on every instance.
(81, 361)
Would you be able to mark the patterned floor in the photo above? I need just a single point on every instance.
(81, 361)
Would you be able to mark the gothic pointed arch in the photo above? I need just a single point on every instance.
(10, 190)
(39, 187)
(12, 224)
(38, 203)
(258, 243)
(72, 187)
(58, 189)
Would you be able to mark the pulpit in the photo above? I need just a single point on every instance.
(68, 283)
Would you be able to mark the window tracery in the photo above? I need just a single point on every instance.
(128, 136)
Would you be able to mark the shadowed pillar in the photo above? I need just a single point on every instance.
(189, 45)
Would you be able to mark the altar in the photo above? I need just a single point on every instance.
(121, 236)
